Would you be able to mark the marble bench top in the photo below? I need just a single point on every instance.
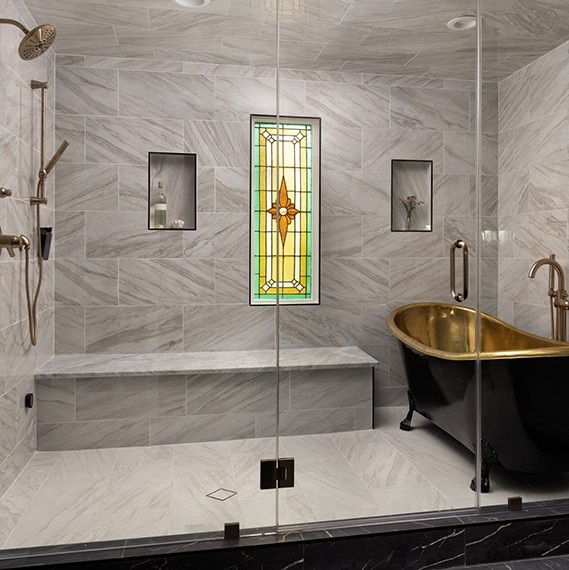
(163, 364)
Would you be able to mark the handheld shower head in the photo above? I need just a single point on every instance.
(36, 41)
(53, 160)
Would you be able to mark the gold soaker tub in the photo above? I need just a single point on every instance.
(525, 385)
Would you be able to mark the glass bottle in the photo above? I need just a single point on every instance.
(159, 206)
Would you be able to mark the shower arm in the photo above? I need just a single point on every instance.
(14, 23)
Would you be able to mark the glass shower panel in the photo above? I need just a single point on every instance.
(523, 221)
(388, 81)
(158, 421)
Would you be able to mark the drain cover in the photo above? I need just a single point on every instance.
(221, 494)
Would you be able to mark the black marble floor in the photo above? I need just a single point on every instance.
(555, 563)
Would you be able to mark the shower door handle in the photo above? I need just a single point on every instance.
(460, 297)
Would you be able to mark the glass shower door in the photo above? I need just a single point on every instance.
(392, 86)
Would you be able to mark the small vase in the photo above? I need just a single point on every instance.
(408, 221)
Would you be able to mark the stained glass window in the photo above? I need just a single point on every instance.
(285, 224)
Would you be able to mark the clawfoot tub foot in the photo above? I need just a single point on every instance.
(405, 425)
(489, 458)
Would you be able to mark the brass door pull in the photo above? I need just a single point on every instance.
(460, 297)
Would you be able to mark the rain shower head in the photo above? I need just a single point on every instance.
(36, 41)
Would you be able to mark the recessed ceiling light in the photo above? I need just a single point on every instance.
(192, 3)
(462, 23)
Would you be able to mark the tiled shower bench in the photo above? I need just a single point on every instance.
(88, 401)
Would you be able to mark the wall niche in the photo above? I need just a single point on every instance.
(172, 191)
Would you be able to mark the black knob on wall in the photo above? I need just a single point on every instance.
(29, 400)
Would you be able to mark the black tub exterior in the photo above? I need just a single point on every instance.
(525, 420)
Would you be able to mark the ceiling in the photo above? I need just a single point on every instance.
(395, 37)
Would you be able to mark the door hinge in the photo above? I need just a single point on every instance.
(277, 473)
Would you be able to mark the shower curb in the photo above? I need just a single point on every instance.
(462, 539)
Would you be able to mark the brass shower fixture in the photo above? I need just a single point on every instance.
(36, 41)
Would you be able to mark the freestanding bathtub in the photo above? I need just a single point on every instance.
(524, 386)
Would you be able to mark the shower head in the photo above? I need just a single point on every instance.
(53, 160)
(36, 41)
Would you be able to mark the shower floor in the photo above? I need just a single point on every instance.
(105, 494)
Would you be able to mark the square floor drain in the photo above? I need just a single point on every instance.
(221, 494)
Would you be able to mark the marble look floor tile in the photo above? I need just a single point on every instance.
(379, 464)
(61, 513)
(84, 464)
(139, 485)
(77, 496)
(131, 523)
(415, 498)
(191, 505)
(335, 493)
(143, 454)
(311, 449)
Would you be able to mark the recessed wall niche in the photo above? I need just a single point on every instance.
(172, 200)
(411, 195)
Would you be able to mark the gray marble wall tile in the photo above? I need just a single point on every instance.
(133, 188)
(133, 329)
(86, 282)
(348, 279)
(434, 109)
(188, 429)
(86, 187)
(330, 324)
(9, 422)
(420, 279)
(452, 194)
(69, 330)
(16, 461)
(380, 242)
(92, 435)
(69, 234)
(166, 281)
(547, 93)
(231, 281)
(232, 393)
(342, 105)
(542, 140)
(380, 147)
(55, 400)
(513, 282)
(341, 236)
(133, 397)
(364, 417)
(126, 234)
(514, 105)
(341, 148)
(20, 354)
(297, 422)
(126, 63)
(355, 193)
(236, 98)
(390, 396)
(82, 91)
(219, 236)
(459, 153)
(232, 190)
(314, 389)
(532, 318)
(537, 235)
(128, 140)
(228, 327)
(206, 188)
(174, 95)
(72, 129)
(548, 186)
(218, 143)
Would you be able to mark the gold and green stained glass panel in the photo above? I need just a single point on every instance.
(285, 224)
